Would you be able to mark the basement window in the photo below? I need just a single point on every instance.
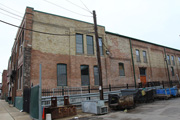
(61, 75)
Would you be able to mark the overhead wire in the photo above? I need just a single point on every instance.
(10, 12)
(65, 8)
(10, 8)
(39, 31)
(78, 6)
(10, 16)
(86, 7)
(14, 14)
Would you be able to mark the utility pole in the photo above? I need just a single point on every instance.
(98, 57)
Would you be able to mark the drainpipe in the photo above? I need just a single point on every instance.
(133, 63)
(167, 65)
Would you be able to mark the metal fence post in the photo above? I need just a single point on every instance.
(62, 90)
(109, 87)
(163, 84)
(40, 82)
(89, 91)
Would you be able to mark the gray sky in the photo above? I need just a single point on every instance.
(156, 21)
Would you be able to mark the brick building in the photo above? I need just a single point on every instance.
(4, 84)
(68, 56)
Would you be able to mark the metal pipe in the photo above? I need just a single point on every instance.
(133, 63)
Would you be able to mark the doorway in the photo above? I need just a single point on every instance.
(143, 76)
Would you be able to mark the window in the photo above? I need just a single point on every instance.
(121, 69)
(79, 43)
(172, 71)
(61, 75)
(168, 60)
(100, 46)
(173, 62)
(144, 57)
(179, 60)
(137, 56)
(96, 75)
(84, 75)
(20, 78)
(90, 45)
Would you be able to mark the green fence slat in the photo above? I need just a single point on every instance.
(34, 102)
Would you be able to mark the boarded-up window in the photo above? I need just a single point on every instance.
(84, 75)
(179, 60)
(173, 62)
(96, 75)
(61, 75)
(121, 69)
(79, 43)
(90, 45)
(138, 56)
(100, 46)
(168, 60)
(144, 56)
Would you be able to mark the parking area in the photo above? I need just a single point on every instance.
(158, 110)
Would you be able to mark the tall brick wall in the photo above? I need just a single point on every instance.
(4, 84)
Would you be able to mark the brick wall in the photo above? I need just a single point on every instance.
(4, 84)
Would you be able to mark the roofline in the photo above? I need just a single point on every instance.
(140, 40)
(64, 17)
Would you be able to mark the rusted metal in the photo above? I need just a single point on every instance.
(124, 102)
(66, 100)
(63, 111)
(53, 101)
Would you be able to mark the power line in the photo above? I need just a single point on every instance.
(85, 6)
(34, 30)
(65, 8)
(10, 8)
(10, 12)
(10, 16)
(78, 6)
(40, 31)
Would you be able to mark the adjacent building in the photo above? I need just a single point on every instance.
(66, 49)
(4, 87)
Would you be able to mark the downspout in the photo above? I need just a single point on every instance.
(133, 63)
(167, 65)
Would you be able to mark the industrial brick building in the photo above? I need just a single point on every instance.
(68, 56)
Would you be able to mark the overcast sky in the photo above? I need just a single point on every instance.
(156, 21)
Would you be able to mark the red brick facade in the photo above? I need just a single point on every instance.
(50, 50)
(4, 84)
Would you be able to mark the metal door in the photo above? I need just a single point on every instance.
(143, 76)
(26, 99)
